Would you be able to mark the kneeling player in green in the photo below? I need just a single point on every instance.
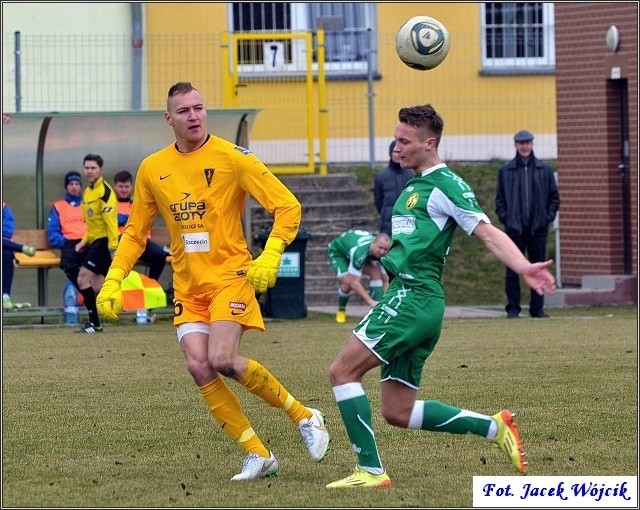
(352, 255)
(402, 330)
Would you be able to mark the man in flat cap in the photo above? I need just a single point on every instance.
(527, 201)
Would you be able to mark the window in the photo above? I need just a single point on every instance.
(349, 33)
(518, 37)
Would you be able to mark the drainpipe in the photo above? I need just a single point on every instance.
(136, 45)
(17, 52)
(556, 227)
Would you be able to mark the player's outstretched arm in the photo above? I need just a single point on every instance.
(536, 275)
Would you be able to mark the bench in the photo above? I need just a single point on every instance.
(47, 257)
(44, 259)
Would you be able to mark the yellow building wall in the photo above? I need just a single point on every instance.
(205, 22)
(497, 104)
(474, 107)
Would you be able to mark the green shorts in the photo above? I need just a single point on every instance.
(402, 330)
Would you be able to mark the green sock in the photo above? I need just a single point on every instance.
(343, 299)
(439, 417)
(355, 410)
(375, 289)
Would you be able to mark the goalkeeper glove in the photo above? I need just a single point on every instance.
(109, 301)
(264, 270)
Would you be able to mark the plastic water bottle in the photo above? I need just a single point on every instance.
(70, 299)
(142, 317)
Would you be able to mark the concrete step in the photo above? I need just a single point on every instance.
(341, 195)
(309, 197)
(450, 312)
(331, 204)
(597, 290)
(320, 182)
(320, 282)
(329, 225)
(332, 208)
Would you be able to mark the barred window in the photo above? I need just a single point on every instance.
(350, 33)
(518, 37)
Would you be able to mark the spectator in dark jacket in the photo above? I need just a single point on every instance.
(527, 201)
(387, 185)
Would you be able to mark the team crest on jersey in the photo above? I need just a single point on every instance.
(208, 174)
(242, 149)
(412, 201)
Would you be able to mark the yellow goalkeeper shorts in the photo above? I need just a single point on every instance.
(234, 302)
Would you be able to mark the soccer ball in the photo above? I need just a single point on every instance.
(422, 43)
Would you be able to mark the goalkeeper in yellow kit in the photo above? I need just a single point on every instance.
(198, 185)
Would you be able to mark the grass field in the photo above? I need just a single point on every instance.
(114, 420)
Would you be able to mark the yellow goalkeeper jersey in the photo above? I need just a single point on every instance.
(99, 207)
(201, 197)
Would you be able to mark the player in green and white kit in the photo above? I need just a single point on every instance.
(352, 254)
(402, 330)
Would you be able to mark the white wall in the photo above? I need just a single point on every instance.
(66, 18)
(52, 33)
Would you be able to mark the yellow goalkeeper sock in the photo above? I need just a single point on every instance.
(226, 410)
(259, 381)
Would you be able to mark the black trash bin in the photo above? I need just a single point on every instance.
(285, 300)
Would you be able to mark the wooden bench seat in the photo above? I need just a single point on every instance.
(42, 258)
(45, 257)
(160, 235)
